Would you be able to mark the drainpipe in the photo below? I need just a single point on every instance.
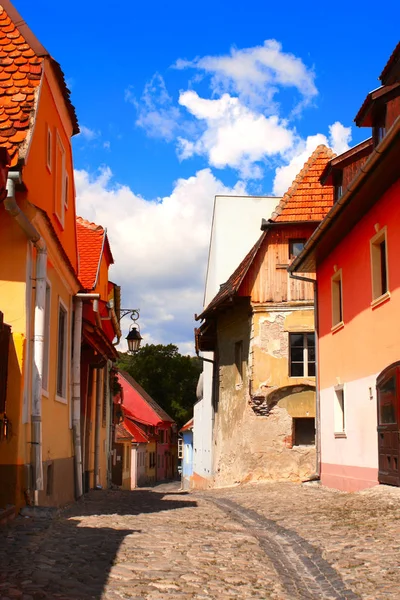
(317, 394)
(34, 236)
(76, 397)
(97, 429)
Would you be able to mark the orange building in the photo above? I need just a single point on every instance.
(38, 269)
(354, 253)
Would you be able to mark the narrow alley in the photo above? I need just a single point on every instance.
(277, 540)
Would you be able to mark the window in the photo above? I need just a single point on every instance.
(338, 411)
(379, 265)
(338, 185)
(5, 334)
(60, 181)
(180, 448)
(161, 436)
(387, 401)
(158, 461)
(62, 352)
(239, 363)
(295, 247)
(49, 149)
(66, 190)
(304, 431)
(302, 355)
(379, 129)
(337, 299)
(46, 346)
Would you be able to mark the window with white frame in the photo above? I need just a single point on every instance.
(338, 411)
(180, 447)
(60, 180)
(302, 354)
(379, 265)
(337, 299)
(62, 351)
(46, 346)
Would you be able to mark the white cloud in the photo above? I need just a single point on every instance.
(338, 139)
(88, 134)
(234, 135)
(160, 247)
(156, 113)
(256, 73)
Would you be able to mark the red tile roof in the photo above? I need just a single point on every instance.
(91, 239)
(137, 434)
(140, 405)
(187, 426)
(307, 199)
(21, 67)
(122, 432)
(391, 66)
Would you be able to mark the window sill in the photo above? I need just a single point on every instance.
(60, 399)
(340, 435)
(45, 393)
(336, 327)
(380, 300)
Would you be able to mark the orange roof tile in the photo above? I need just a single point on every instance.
(90, 238)
(307, 199)
(20, 75)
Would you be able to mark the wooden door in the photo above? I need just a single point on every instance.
(388, 394)
(116, 473)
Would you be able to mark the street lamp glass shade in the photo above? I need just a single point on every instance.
(133, 338)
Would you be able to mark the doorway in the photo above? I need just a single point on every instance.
(388, 396)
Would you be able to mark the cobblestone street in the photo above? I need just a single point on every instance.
(280, 540)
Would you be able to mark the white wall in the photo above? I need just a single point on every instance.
(236, 226)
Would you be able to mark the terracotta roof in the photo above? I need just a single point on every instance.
(187, 426)
(138, 435)
(307, 199)
(91, 239)
(21, 68)
(140, 403)
(391, 67)
(230, 287)
(122, 432)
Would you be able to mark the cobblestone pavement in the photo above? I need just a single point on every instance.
(281, 541)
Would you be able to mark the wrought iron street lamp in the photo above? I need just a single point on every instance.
(133, 338)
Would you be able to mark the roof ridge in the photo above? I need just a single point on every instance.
(89, 224)
(299, 177)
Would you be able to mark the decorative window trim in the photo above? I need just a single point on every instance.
(378, 294)
(337, 300)
(60, 174)
(49, 149)
(305, 355)
(62, 398)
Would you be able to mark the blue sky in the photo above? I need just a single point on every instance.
(238, 114)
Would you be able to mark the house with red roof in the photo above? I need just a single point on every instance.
(38, 270)
(354, 255)
(143, 412)
(260, 326)
(100, 332)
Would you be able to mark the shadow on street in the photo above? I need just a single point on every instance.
(63, 559)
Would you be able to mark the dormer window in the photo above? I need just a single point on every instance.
(379, 129)
(338, 185)
(295, 247)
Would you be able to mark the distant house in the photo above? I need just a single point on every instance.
(156, 424)
(355, 256)
(233, 232)
(260, 327)
(186, 434)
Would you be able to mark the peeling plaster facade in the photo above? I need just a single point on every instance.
(254, 420)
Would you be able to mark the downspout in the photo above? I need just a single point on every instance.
(317, 394)
(97, 429)
(34, 236)
(76, 397)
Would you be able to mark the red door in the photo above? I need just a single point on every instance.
(388, 393)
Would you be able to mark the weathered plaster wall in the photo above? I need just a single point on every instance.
(253, 444)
